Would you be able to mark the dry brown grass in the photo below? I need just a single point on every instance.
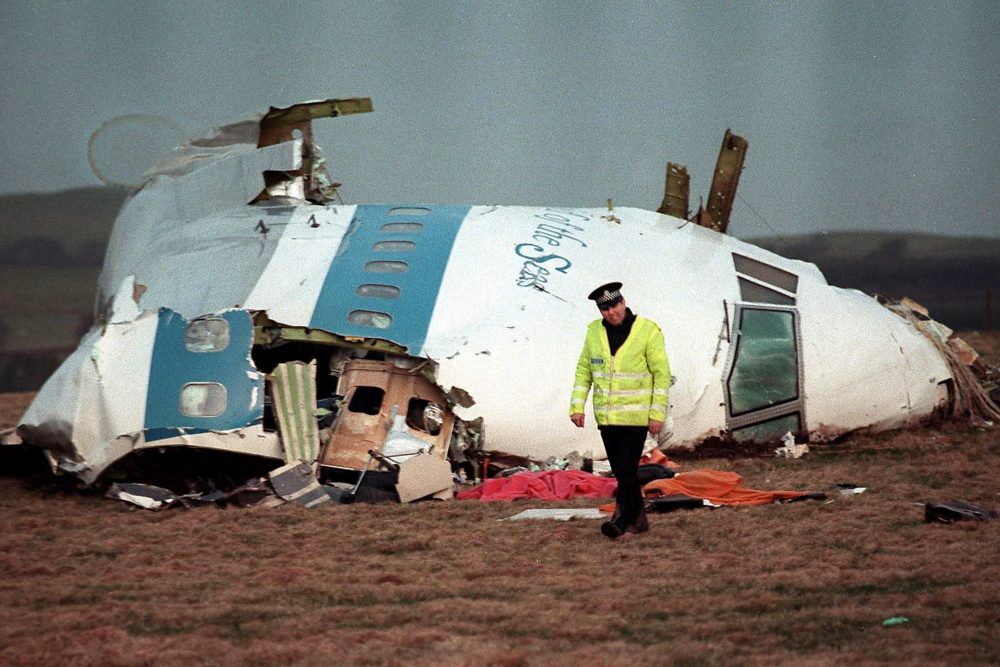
(87, 581)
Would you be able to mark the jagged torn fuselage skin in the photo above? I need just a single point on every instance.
(495, 295)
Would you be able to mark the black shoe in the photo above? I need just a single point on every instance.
(641, 524)
(611, 530)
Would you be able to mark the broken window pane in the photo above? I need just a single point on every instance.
(203, 399)
(755, 293)
(765, 370)
(367, 400)
(370, 318)
(394, 246)
(378, 291)
(409, 210)
(401, 227)
(386, 267)
(766, 273)
(771, 429)
(206, 335)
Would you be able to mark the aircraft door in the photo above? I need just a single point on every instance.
(763, 378)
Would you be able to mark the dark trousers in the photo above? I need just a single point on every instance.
(624, 447)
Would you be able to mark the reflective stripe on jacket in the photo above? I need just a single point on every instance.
(630, 388)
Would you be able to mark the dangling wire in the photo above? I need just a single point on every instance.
(766, 224)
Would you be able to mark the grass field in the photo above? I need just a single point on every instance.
(87, 581)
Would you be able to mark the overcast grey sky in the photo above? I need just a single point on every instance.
(859, 115)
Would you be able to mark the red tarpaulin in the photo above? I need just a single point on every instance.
(545, 485)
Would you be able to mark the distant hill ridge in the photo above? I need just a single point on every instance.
(949, 275)
(59, 228)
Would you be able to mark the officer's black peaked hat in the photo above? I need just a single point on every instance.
(607, 295)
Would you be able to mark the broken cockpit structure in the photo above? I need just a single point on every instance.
(243, 308)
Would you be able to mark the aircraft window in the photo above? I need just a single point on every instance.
(203, 399)
(367, 400)
(771, 429)
(756, 293)
(424, 415)
(401, 227)
(379, 291)
(771, 275)
(370, 318)
(210, 334)
(765, 370)
(409, 210)
(386, 267)
(394, 246)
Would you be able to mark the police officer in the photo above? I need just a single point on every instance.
(625, 361)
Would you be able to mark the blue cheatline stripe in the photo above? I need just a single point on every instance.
(419, 284)
(173, 366)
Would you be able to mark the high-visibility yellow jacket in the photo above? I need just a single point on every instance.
(631, 387)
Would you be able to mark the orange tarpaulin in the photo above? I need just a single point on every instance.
(657, 457)
(715, 486)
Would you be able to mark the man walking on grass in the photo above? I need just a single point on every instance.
(625, 361)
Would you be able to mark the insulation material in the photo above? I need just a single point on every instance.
(293, 391)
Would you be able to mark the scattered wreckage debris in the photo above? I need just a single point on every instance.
(974, 383)
(956, 510)
(789, 449)
(895, 620)
(415, 478)
(296, 483)
(146, 496)
(9, 437)
(560, 514)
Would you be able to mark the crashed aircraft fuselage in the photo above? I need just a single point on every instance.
(203, 295)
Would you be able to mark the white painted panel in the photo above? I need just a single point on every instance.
(290, 284)
(515, 348)
(100, 390)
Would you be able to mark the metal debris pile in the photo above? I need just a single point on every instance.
(975, 383)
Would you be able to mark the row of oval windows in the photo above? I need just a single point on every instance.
(371, 318)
